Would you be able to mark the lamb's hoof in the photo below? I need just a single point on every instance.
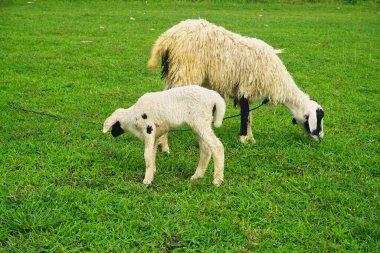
(246, 138)
(165, 150)
(217, 182)
(195, 176)
(147, 182)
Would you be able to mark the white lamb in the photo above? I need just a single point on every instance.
(246, 69)
(154, 114)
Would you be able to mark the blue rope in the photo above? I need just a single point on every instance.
(11, 104)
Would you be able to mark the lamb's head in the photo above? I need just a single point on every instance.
(312, 120)
(117, 121)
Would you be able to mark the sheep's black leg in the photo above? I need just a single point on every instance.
(244, 112)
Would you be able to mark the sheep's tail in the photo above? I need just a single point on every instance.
(159, 49)
(220, 109)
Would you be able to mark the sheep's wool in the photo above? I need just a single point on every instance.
(202, 53)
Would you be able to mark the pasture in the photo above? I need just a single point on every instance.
(67, 187)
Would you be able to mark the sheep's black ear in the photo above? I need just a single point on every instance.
(116, 130)
(294, 121)
(320, 114)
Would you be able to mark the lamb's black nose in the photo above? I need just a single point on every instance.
(116, 129)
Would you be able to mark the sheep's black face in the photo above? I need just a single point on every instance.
(116, 130)
(312, 122)
(314, 126)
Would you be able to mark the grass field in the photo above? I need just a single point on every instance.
(66, 187)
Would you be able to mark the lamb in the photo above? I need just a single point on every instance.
(154, 114)
(246, 69)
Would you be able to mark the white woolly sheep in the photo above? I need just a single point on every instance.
(246, 69)
(154, 114)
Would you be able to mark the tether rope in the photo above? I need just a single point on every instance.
(16, 107)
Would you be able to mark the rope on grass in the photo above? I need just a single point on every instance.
(16, 107)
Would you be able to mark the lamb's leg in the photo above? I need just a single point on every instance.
(244, 121)
(205, 156)
(150, 159)
(218, 156)
(208, 137)
(163, 142)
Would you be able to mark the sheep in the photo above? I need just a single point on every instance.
(154, 114)
(246, 69)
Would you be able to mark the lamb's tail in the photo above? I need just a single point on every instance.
(159, 49)
(220, 109)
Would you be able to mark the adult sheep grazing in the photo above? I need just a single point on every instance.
(246, 69)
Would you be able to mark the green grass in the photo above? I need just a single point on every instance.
(66, 187)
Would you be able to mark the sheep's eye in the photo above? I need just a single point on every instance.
(320, 113)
